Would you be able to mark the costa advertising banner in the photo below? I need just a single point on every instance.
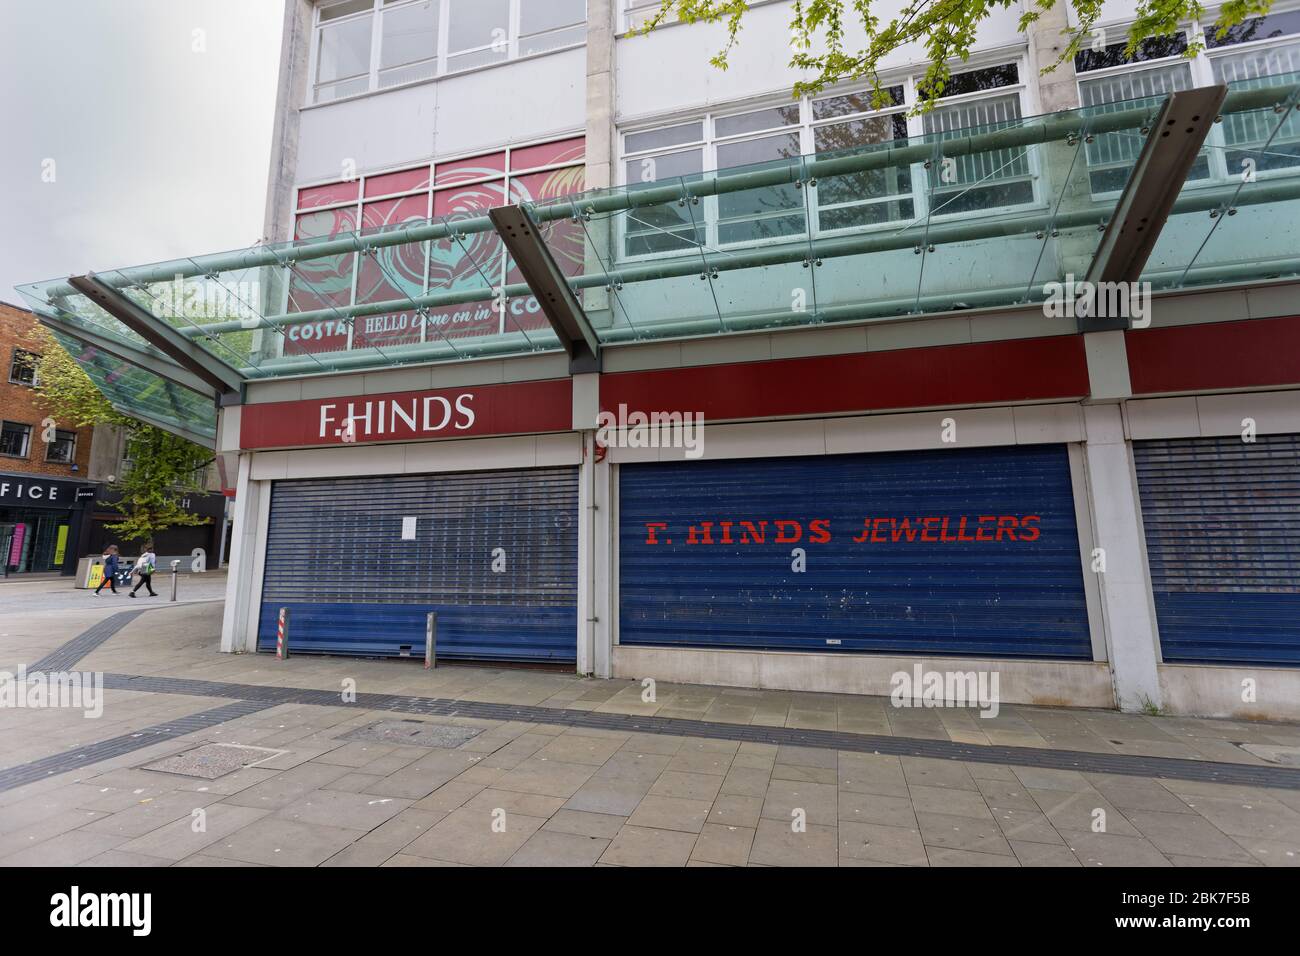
(507, 409)
(472, 263)
(321, 284)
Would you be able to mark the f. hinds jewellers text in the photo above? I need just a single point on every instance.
(938, 529)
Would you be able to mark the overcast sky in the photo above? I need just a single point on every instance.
(157, 137)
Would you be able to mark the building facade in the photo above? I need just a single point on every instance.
(42, 465)
(886, 441)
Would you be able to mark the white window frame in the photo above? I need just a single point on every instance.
(1201, 71)
(805, 127)
(376, 13)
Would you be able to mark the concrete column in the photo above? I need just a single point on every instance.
(586, 550)
(593, 533)
(1127, 609)
(291, 94)
(601, 143)
(242, 594)
(1057, 90)
(605, 535)
(600, 93)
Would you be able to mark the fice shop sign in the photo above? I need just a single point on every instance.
(35, 491)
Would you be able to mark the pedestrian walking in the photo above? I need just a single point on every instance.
(110, 569)
(144, 566)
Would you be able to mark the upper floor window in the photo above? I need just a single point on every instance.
(1258, 51)
(63, 448)
(364, 45)
(15, 439)
(22, 369)
(822, 126)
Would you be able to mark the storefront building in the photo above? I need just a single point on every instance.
(41, 523)
(43, 462)
(896, 441)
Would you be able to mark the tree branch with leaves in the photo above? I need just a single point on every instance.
(163, 466)
(945, 29)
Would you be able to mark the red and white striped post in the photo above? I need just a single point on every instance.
(281, 635)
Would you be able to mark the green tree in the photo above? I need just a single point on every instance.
(944, 28)
(164, 467)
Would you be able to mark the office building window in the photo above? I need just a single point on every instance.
(823, 126)
(63, 449)
(1261, 51)
(15, 439)
(23, 367)
(364, 45)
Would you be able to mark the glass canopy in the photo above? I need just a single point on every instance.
(973, 218)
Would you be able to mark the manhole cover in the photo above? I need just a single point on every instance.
(414, 733)
(213, 760)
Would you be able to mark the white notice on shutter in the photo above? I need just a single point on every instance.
(408, 529)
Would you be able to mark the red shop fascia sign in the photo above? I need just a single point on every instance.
(473, 411)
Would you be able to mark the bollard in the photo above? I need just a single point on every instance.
(282, 635)
(175, 565)
(431, 641)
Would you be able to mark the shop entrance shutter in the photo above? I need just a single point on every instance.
(335, 556)
(1222, 523)
(933, 575)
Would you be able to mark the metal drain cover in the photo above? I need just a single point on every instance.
(414, 733)
(213, 760)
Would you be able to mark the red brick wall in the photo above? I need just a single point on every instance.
(18, 403)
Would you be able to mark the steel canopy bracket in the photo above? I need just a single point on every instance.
(1159, 173)
(225, 381)
(547, 282)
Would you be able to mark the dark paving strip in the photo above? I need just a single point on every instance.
(1172, 768)
(65, 657)
(26, 773)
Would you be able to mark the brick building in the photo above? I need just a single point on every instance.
(41, 463)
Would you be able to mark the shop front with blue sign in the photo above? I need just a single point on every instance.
(971, 553)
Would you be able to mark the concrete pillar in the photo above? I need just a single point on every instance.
(107, 446)
(605, 536)
(1057, 90)
(601, 144)
(586, 551)
(291, 94)
(1127, 609)
(600, 93)
(593, 533)
(243, 590)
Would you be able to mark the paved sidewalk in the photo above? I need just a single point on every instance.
(539, 793)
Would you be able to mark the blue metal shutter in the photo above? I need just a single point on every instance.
(335, 557)
(987, 598)
(1222, 523)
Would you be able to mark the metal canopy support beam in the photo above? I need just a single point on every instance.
(1158, 176)
(547, 282)
(148, 361)
(220, 377)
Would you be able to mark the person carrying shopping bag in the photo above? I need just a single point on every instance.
(144, 567)
(110, 569)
